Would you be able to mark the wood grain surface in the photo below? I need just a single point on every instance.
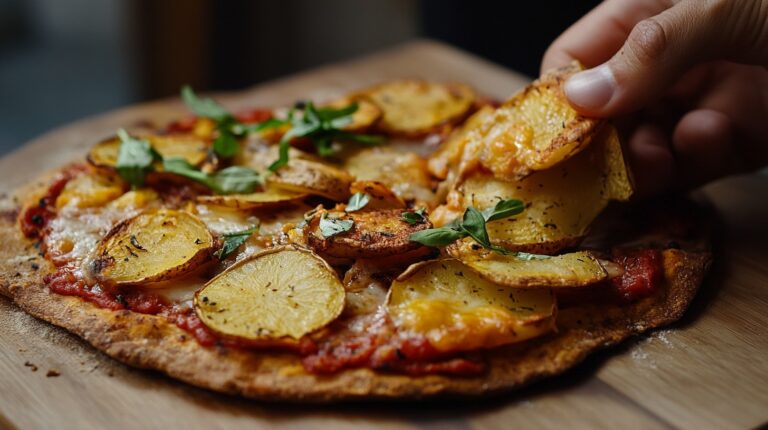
(708, 371)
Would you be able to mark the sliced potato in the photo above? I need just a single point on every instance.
(457, 310)
(365, 116)
(575, 269)
(405, 173)
(152, 246)
(373, 234)
(561, 202)
(280, 292)
(381, 197)
(190, 147)
(270, 197)
(90, 189)
(448, 155)
(312, 177)
(415, 108)
(534, 130)
(136, 199)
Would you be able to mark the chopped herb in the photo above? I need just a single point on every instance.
(357, 202)
(528, 257)
(415, 217)
(134, 159)
(232, 180)
(232, 241)
(471, 224)
(322, 126)
(135, 243)
(331, 226)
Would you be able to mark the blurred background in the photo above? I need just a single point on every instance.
(64, 60)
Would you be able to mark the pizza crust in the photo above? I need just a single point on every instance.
(151, 342)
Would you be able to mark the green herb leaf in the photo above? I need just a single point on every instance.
(243, 129)
(357, 202)
(330, 226)
(323, 126)
(234, 240)
(226, 144)
(471, 224)
(204, 107)
(503, 209)
(134, 159)
(232, 180)
(415, 217)
(437, 237)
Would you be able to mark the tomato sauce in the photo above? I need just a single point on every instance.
(642, 275)
(35, 217)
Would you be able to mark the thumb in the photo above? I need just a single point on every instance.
(660, 49)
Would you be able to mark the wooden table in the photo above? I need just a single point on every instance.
(708, 371)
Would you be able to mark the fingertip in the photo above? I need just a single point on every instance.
(591, 91)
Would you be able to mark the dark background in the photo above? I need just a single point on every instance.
(61, 60)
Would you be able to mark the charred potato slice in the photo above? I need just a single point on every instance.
(381, 197)
(457, 310)
(561, 202)
(415, 108)
(312, 177)
(575, 269)
(534, 130)
(152, 246)
(365, 116)
(372, 234)
(271, 197)
(189, 147)
(281, 292)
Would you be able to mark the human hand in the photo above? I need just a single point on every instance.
(686, 79)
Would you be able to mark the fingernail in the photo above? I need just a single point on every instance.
(591, 89)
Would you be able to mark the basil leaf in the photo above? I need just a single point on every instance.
(204, 107)
(226, 144)
(503, 209)
(473, 223)
(232, 180)
(437, 237)
(234, 240)
(330, 227)
(322, 126)
(134, 159)
(416, 217)
(357, 202)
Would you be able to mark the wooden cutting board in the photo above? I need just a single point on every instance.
(708, 371)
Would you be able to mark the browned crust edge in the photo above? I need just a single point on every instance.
(151, 342)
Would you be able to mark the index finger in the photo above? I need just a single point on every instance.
(594, 39)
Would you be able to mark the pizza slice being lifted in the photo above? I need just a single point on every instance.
(325, 251)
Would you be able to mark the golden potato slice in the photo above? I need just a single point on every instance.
(90, 189)
(448, 155)
(190, 147)
(534, 130)
(365, 116)
(277, 293)
(415, 108)
(372, 234)
(152, 246)
(405, 173)
(575, 269)
(561, 202)
(271, 197)
(457, 310)
(312, 177)
(381, 197)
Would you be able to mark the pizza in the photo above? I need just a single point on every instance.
(409, 239)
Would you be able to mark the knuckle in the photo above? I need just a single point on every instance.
(648, 40)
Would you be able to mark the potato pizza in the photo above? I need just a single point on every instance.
(408, 239)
